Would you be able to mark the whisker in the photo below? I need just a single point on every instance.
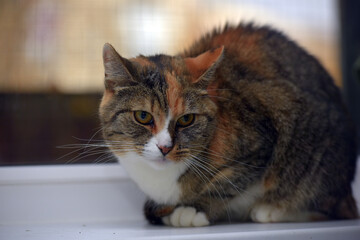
(213, 175)
(104, 158)
(210, 152)
(196, 167)
(95, 134)
(204, 179)
(83, 151)
(82, 156)
(223, 176)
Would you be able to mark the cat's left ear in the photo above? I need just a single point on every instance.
(202, 67)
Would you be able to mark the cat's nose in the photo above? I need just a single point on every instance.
(164, 149)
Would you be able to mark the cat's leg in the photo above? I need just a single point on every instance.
(266, 213)
(280, 203)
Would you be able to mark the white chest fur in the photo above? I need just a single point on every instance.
(161, 185)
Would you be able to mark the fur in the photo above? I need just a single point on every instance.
(271, 140)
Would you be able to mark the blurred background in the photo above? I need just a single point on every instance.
(51, 71)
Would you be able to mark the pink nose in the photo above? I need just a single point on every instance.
(164, 149)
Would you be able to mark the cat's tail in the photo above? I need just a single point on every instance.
(346, 208)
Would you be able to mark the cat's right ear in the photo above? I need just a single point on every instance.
(202, 67)
(117, 70)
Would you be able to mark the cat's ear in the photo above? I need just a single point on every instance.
(117, 70)
(202, 67)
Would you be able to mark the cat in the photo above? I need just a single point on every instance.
(243, 126)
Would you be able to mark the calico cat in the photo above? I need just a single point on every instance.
(244, 125)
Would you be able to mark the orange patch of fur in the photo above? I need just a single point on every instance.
(164, 211)
(235, 39)
(160, 123)
(142, 61)
(269, 182)
(219, 145)
(106, 98)
(247, 48)
(174, 95)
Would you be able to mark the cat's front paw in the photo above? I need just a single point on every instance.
(186, 217)
(266, 213)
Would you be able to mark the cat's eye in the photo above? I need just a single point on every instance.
(143, 117)
(186, 120)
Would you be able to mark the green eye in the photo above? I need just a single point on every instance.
(143, 117)
(186, 120)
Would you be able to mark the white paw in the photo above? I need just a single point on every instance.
(267, 213)
(186, 217)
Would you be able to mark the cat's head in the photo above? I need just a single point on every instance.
(159, 107)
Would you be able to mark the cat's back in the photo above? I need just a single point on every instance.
(276, 76)
(260, 53)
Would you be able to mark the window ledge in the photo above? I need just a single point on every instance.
(52, 174)
(349, 230)
(101, 202)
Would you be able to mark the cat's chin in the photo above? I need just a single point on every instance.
(159, 163)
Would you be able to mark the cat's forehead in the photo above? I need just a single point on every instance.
(160, 61)
(165, 76)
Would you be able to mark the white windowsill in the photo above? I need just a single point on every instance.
(61, 173)
(101, 202)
